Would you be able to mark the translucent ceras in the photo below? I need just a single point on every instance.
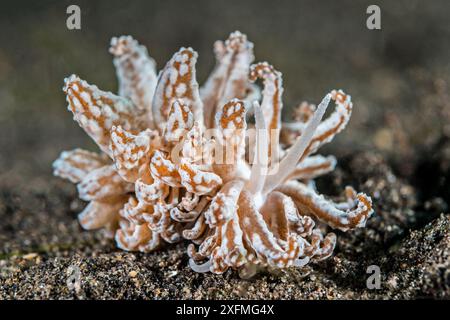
(177, 161)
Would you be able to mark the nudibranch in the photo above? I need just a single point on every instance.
(178, 161)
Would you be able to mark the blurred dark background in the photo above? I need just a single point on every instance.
(398, 76)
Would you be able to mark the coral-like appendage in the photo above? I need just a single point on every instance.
(136, 72)
(74, 165)
(98, 111)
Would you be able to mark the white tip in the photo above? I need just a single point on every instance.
(200, 268)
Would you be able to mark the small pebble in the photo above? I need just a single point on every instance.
(132, 274)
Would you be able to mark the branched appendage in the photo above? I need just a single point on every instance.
(75, 164)
(229, 79)
(136, 72)
(354, 215)
(272, 102)
(98, 111)
(177, 81)
(161, 178)
(131, 152)
(230, 144)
